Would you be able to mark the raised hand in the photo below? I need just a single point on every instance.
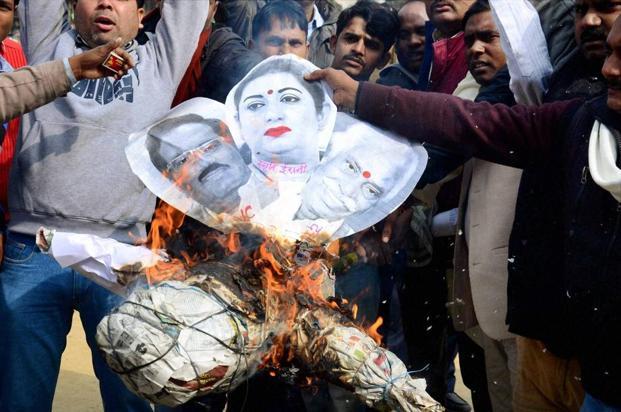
(88, 65)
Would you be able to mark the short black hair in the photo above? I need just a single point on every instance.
(382, 21)
(479, 6)
(281, 10)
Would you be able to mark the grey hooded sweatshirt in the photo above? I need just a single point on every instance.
(70, 172)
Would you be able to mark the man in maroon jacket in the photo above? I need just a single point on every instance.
(567, 230)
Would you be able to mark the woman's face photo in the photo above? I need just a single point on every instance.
(279, 124)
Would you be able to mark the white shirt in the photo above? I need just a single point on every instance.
(315, 23)
(524, 44)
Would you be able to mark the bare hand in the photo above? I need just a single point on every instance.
(396, 226)
(344, 87)
(88, 65)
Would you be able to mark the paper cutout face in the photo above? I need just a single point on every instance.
(281, 118)
(200, 155)
(276, 158)
(353, 181)
(279, 125)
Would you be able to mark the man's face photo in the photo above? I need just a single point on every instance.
(356, 52)
(199, 156)
(349, 183)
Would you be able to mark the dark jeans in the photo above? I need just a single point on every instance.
(360, 285)
(37, 300)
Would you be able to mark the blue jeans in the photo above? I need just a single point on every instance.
(37, 300)
(592, 404)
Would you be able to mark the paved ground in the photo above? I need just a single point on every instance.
(77, 389)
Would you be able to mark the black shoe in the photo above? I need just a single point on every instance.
(454, 403)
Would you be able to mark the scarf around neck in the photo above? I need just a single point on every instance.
(604, 159)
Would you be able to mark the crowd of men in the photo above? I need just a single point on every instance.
(508, 253)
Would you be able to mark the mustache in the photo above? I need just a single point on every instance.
(614, 84)
(450, 3)
(593, 34)
(355, 58)
(212, 167)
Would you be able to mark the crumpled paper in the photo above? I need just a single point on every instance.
(174, 342)
(352, 357)
(107, 262)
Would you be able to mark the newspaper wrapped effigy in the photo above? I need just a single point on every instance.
(212, 329)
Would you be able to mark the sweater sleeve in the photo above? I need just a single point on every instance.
(41, 24)
(512, 136)
(176, 38)
(30, 87)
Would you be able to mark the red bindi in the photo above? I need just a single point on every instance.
(366, 174)
(270, 91)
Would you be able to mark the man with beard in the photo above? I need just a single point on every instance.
(199, 156)
(565, 246)
(410, 47)
(546, 357)
(581, 75)
(486, 208)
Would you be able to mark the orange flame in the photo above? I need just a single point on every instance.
(284, 283)
(372, 330)
(165, 222)
(232, 243)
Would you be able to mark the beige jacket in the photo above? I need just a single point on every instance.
(486, 212)
(30, 87)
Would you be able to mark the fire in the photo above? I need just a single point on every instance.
(292, 276)
(372, 330)
(165, 222)
(233, 242)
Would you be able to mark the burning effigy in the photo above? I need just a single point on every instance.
(279, 174)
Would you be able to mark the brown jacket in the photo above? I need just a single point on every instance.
(486, 211)
(320, 52)
(30, 87)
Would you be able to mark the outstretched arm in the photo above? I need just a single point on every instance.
(30, 87)
(508, 135)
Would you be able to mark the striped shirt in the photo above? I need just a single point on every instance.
(13, 53)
